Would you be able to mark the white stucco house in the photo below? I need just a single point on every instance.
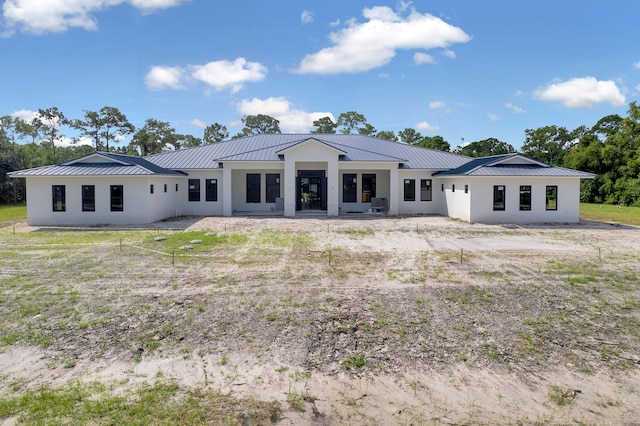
(288, 174)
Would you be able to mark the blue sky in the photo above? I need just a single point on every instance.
(456, 68)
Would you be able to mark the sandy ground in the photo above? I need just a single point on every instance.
(438, 373)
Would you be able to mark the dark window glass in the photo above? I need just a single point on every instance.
(253, 187)
(58, 193)
(273, 187)
(368, 187)
(151, 189)
(117, 198)
(453, 188)
(176, 187)
(552, 198)
(88, 198)
(194, 189)
(409, 189)
(165, 187)
(425, 190)
(525, 197)
(349, 188)
(499, 197)
(211, 190)
(466, 189)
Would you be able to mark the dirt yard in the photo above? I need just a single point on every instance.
(358, 320)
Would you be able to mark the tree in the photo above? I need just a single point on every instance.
(486, 147)
(388, 135)
(108, 124)
(324, 125)
(52, 119)
(190, 141)
(31, 128)
(153, 137)
(258, 124)
(548, 144)
(435, 142)
(9, 128)
(410, 136)
(367, 129)
(215, 133)
(350, 121)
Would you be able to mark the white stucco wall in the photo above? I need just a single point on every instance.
(239, 189)
(417, 206)
(481, 190)
(202, 207)
(382, 188)
(454, 201)
(140, 206)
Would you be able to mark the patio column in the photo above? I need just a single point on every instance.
(332, 188)
(393, 191)
(289, 188)
(227, 199)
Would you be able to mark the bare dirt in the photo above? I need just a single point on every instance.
(369, 320)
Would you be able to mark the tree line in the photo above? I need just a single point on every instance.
(610, 148)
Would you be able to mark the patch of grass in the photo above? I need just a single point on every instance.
(356, 361)
(162, 402)
(296, 399)
(12, 214)
(610, 213)
(562, 396)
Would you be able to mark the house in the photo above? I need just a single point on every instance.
(291, 174)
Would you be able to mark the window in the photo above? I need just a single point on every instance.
(273, 187)
(409, 189)
(425, 190)
(442, 188)
(88, 198)
(466, 189)
(117, 198)
(552, 198)
(176, 187)
(151, 189)
(525, 197)
(194, 189)
(453, 188)
(165, 187)
(253, 187)
(498, 197)
(211, 189)
(368, 188)
(349, 188)
(59, 198)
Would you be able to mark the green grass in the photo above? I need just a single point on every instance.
(12, 214)
(610, 213)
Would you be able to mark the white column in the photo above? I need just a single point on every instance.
(289, 187)
(227, 199)
(333, 201)
(393, 191)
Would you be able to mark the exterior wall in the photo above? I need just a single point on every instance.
(482, 200)
(417, 206)
(185, 207)
(239, 190)
(140, 206)
(455, 203)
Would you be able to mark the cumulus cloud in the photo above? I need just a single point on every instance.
(228, 75)
(637, 65)
(196, 122)
(423, 58)
(220, 75)
(449, 53)
(514, 108)
(40, 17)
(582, 93)
(364, 46)
(292, 120)
(162, 77)
(424, 126)
(439, 105)
(25, 115)
(494, 117)
(306, 17)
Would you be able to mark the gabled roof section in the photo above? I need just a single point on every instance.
(310, 140)
(511, 165)
(100, 164)
(269, 147)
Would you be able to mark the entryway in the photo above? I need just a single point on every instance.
(311, 190)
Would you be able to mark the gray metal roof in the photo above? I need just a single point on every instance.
(266, 147)
(495, 166)
(121, 165)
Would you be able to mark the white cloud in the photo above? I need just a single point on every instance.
(449, 53)
(514, 108)
(424, 126)
(334, 23)
(403, 5)
(306, 17)
(494, 117)
(292, 120)
(364, 46)
(423, 58)
(227, 75)
(384, 75)
(637, 65)
(582, 93)
(162, 77)
(25, 115)
(196, 122)
(40, 17)
(439, 105)
(638, 87)
(221, 75)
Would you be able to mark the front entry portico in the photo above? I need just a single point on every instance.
(311, 190)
